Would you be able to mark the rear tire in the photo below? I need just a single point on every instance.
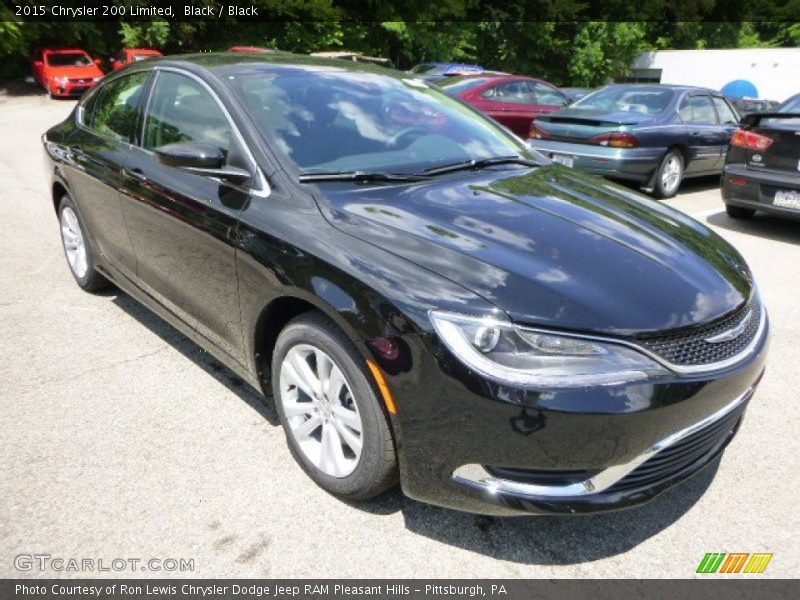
(669, 175)
(738, 212)
(334, 423)
(78, 248)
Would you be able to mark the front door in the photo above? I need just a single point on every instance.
(705, 146)
(184, 225)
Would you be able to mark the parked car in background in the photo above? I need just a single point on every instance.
(428, 300)
(746, 106)
(511, 100)
(575, 93)
(255, 50)
(127, 56)
(355, 57)
(655, 135)
(437, 71)
(65, 72)
(762, 169)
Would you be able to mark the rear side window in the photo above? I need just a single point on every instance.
(114, 111)
(697, 110)
(512, 92)
(547, 95)
(182, 110)
(726, 114)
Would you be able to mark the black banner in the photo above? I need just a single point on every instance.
(408, 10)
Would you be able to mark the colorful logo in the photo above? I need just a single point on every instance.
(734, 562)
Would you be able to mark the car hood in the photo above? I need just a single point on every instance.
(553, 247)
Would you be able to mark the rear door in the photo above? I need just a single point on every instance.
(184, 225)
(703, 133)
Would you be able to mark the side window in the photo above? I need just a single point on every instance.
(114, 111)
(514, 92)
(182, 110)
(726, 114)
(548, 96)
(697, 110)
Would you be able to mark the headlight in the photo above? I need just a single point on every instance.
(522, 357)
(96, 79)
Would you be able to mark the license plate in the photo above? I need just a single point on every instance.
(787, 199)
(562, 159)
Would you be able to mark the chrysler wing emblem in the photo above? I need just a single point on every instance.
(733, 332)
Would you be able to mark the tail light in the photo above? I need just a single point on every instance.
(537, 132)
(751, 140)
(617, 139)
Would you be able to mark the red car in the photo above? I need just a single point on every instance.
(65, 71)
(511, 100)
(127, 56)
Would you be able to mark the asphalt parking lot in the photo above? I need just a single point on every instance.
(123, 439)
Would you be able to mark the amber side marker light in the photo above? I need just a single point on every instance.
(388, 399)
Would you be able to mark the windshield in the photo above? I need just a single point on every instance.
(69, 59)
(330, 120)
(645, 101)
(791, 106)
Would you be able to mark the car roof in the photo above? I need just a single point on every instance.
(143, 50)
(63, 50)
(669, 86)
(235, 62)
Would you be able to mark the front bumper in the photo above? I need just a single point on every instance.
(472, 445)
(759, 190)
(68, 89)
(634, 164)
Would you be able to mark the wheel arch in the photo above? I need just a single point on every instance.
(274, 316)
(58, 191)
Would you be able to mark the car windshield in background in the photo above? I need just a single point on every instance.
(793, 106)
(69, 59)
(645, 101)
(339, 121)
(457, 85)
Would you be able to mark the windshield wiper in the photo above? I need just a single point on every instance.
(479, 163)
(359, 176)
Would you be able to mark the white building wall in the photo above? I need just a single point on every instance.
(775, 72)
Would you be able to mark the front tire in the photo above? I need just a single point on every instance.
(78, 248)
(669, 175)
(334, 423)
(738, 212)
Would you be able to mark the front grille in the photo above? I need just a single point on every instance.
(80, 80)
(684, 453)
(692, 348)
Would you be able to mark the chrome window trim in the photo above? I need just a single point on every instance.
(263, 190)
(477, 476)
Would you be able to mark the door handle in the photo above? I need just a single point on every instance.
(134, 174)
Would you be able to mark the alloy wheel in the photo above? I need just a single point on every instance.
(74, 245)
(671, 175)
(320, 410)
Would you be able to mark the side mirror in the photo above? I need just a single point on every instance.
(202, 159)
(98, 62)
(38, 63)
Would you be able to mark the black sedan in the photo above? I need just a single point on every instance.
(762, 170)
(426, 299)
(655, 135)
